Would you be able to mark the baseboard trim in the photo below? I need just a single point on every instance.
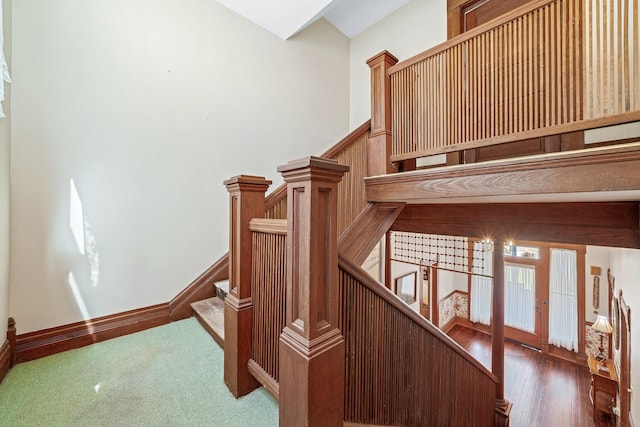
(5, 359)
(200, 289)
(46, 342)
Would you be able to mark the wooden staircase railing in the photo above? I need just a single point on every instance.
(350, 151)
(400, 369)
(268, 297)
(326, 339)
(546, 68)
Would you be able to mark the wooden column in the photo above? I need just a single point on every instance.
(379, 145)
(246, 202)
(311, 345)
(497, 353)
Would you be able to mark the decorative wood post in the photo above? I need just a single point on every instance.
(379, 146)
(503, 407)
(311, 345)
(246, 202)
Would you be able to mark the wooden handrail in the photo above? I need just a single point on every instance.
(374, 286)
(480, 29)
(274, 204)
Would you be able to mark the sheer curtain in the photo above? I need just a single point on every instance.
(519, 296)
(481, 287)
(563, 300)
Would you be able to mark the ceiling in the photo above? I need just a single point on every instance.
(285, 18)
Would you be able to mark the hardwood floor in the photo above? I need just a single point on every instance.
(545, 391)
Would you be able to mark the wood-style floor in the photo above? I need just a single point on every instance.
(545, 391)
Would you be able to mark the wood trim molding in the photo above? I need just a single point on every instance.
(5, 359)
(201, 288)
(34, 345)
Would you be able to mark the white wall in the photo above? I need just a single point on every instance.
(451, 281)
(596, 256)
(5, 172)
(625, 266)
(414, 28)
(148, 106)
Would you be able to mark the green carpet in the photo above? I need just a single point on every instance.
(166, 376)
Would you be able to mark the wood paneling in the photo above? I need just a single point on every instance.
(34, 345)
(600, 224)
(402, 370)
(200, 289)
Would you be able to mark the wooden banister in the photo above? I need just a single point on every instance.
(350, 151)
(549, 67)
(402, 370)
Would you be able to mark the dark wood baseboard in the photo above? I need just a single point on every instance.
(200, 289)
(34, 345)
(456, 321)
(5, 359)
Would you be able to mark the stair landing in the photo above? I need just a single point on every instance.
(210, 314)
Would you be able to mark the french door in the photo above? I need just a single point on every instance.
(521, 296)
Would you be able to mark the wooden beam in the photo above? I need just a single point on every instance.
(369, 227)
(555, 176)
(602, 224)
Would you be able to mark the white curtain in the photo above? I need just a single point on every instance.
(519, 297)
(563, 300)
(4, 69)
(481, 287)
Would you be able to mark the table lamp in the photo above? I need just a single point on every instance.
(603, 326)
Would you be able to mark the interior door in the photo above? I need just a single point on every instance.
(522, 313)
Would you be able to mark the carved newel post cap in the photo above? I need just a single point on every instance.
(247, 180)
(313, 162)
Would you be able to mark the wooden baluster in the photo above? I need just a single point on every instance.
(503, 407)
(379, 147)
(246, 202)
(311, 344)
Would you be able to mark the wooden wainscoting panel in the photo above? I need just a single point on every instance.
(34, 345)
(200, 289)
(5, 359)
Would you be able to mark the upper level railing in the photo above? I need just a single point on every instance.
(549, 67)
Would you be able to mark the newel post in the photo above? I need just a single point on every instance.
(246, 202)
(379, 145)
(311, 345)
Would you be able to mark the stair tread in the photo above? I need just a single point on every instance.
(210, 312)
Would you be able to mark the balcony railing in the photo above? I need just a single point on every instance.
(549, 67)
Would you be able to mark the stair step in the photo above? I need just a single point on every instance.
(210, 313)
(222, 289)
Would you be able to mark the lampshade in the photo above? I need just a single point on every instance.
(602, 325)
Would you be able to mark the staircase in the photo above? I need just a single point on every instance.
(210, 312)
